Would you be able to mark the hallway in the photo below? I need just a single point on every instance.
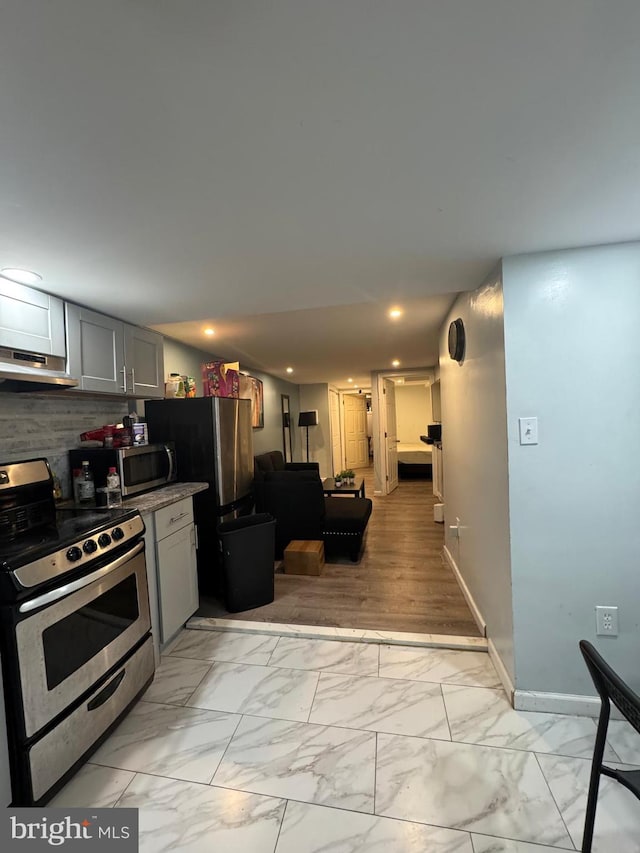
(401, 583)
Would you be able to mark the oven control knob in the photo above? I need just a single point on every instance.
(89, 546)
(103, 540)
(74, 554)
(117, 533)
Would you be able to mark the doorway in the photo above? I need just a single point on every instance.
(356, 443)
(401, 405)
(336, 432)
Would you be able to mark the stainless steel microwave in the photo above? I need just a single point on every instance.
(141, 467)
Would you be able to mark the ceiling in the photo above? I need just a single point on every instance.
(246, 164)
(331, 344)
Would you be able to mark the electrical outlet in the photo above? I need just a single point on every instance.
(606, 621)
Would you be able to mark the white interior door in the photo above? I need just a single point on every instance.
(391, 436)
(336, 432)
(355, 431)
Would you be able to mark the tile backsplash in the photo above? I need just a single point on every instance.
(33, 425)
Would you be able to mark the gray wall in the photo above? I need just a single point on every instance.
(413, 411)
(572, 355)
(316, 396)
(180, 358)
(49, 425)
(270, 438)
(186, 360)
(474, 441)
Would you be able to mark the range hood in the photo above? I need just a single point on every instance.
(31, 371)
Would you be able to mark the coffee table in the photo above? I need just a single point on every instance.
(356, 489)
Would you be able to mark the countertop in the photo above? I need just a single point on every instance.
(156, 499)
(166, 495)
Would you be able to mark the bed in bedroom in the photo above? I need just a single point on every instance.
(414, 461)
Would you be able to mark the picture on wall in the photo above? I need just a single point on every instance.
(257, 403)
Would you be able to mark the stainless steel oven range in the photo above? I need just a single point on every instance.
(75, 631)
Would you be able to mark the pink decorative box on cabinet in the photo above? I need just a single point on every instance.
(220, 379)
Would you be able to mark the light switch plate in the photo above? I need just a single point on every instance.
(528, 430)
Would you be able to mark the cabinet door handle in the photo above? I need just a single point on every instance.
(195, 536)
(178, 517)
(124, 379)
(133, 380)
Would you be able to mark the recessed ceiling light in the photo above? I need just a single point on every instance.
(395, 313)
(20, 276)
(349, 379)
(209, 332)
(395, 363)
(355, 386)
(289, 369)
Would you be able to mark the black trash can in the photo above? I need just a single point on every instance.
(248, 553)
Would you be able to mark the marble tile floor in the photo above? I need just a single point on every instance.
(270, 744)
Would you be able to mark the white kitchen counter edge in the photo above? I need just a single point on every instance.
(164, 496)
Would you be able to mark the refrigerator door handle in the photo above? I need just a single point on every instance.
(169, 452)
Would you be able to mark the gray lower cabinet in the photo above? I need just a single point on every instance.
(171, 568)
(177, 580)
(112, 357)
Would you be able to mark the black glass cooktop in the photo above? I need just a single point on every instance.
(71, 524)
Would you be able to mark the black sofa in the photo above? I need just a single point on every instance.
(296, 500)
(265, 463)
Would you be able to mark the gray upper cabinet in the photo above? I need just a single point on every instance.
(95, 350)
(144, 360)
(112, 357)
(31, 320)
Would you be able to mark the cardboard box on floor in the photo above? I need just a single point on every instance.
(304, 557)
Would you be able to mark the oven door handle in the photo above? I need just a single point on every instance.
(73, 586)
(106, 692)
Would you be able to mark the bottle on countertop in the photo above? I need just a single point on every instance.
(86, 486)
(57, 488)
(114, 491)
(107, 441)
(126, 435)
(75, 482)
(174, 386)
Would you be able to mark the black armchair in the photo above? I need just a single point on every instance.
(267, 463)
(611, 689)
(297, 502)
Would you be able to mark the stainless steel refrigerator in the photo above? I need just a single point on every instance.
(214, 444)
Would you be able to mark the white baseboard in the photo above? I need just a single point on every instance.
(560, 703)
(501, 669)
(473, 607)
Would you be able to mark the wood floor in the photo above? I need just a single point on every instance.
(401, 583)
